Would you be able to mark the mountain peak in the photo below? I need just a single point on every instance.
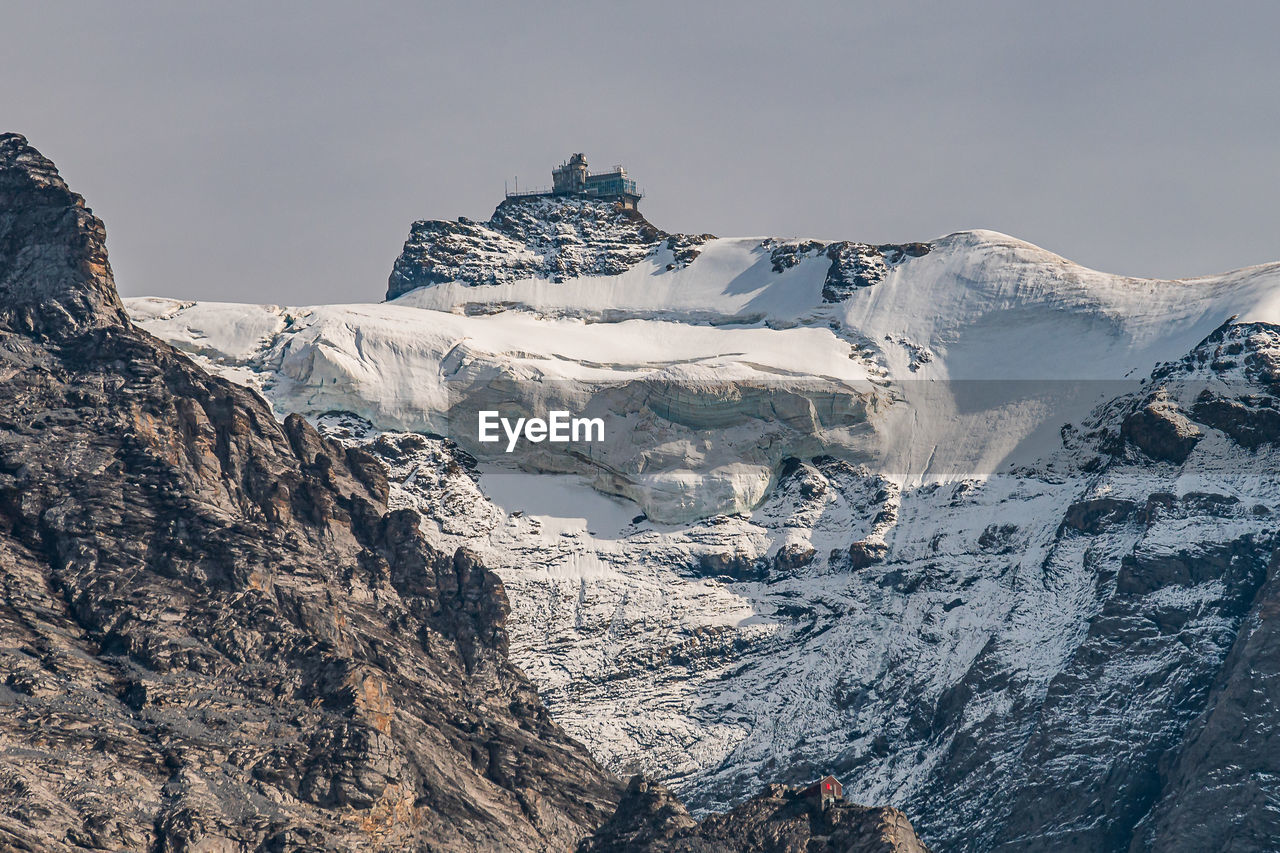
(282, 660)
(554, 237)
(54, 276)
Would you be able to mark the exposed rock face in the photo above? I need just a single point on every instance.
(213, 633)
(1160, 730)
(1219, 791)
(54, 275)
(647, 812)
(779, 820)
(1161, 431)
(853, 265)
(555, 238)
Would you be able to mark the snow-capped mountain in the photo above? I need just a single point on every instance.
(990, 535)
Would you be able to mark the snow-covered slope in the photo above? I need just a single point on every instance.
(923, 580)
(920, 362)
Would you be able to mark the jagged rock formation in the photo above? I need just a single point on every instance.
(213, 634)
(567, 237)
(554, 238)
(54, 276)
(650, 819)
(853, 265)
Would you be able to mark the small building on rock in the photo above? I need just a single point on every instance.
(826, 790)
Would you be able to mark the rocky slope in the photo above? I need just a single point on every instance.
(214, 634)
(1016, 576)
(779, 820)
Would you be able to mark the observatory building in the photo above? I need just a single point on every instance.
(574, 178)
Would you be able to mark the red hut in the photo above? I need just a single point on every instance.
(825, 790)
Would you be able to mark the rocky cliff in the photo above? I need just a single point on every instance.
(213, 633)
(535, 237)
(54, 275)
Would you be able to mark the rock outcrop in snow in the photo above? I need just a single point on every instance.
(553, 238)
(853, 265)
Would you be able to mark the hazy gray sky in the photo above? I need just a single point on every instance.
(277, 152)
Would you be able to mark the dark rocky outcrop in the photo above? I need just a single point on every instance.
(778, 820)
(858, 265)
(853, 265)
(1218, 792)
(784, 256)
(1161, 431)
(213, 633)
(1095, 515)
(737, 566)
(535, 237)
(561, 237)
(1251, 420)
(793, 556)
(1115, 767)
(54, 276)
(863, 554)
(648, 811)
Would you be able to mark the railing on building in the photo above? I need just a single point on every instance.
(613, 187)
(521, 193)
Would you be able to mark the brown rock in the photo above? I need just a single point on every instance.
(215, 635)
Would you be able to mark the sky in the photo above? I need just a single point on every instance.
(278, 152)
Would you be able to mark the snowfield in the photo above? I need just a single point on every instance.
(912, 535)
(982, 330)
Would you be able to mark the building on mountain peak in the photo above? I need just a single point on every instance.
(573, 178)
